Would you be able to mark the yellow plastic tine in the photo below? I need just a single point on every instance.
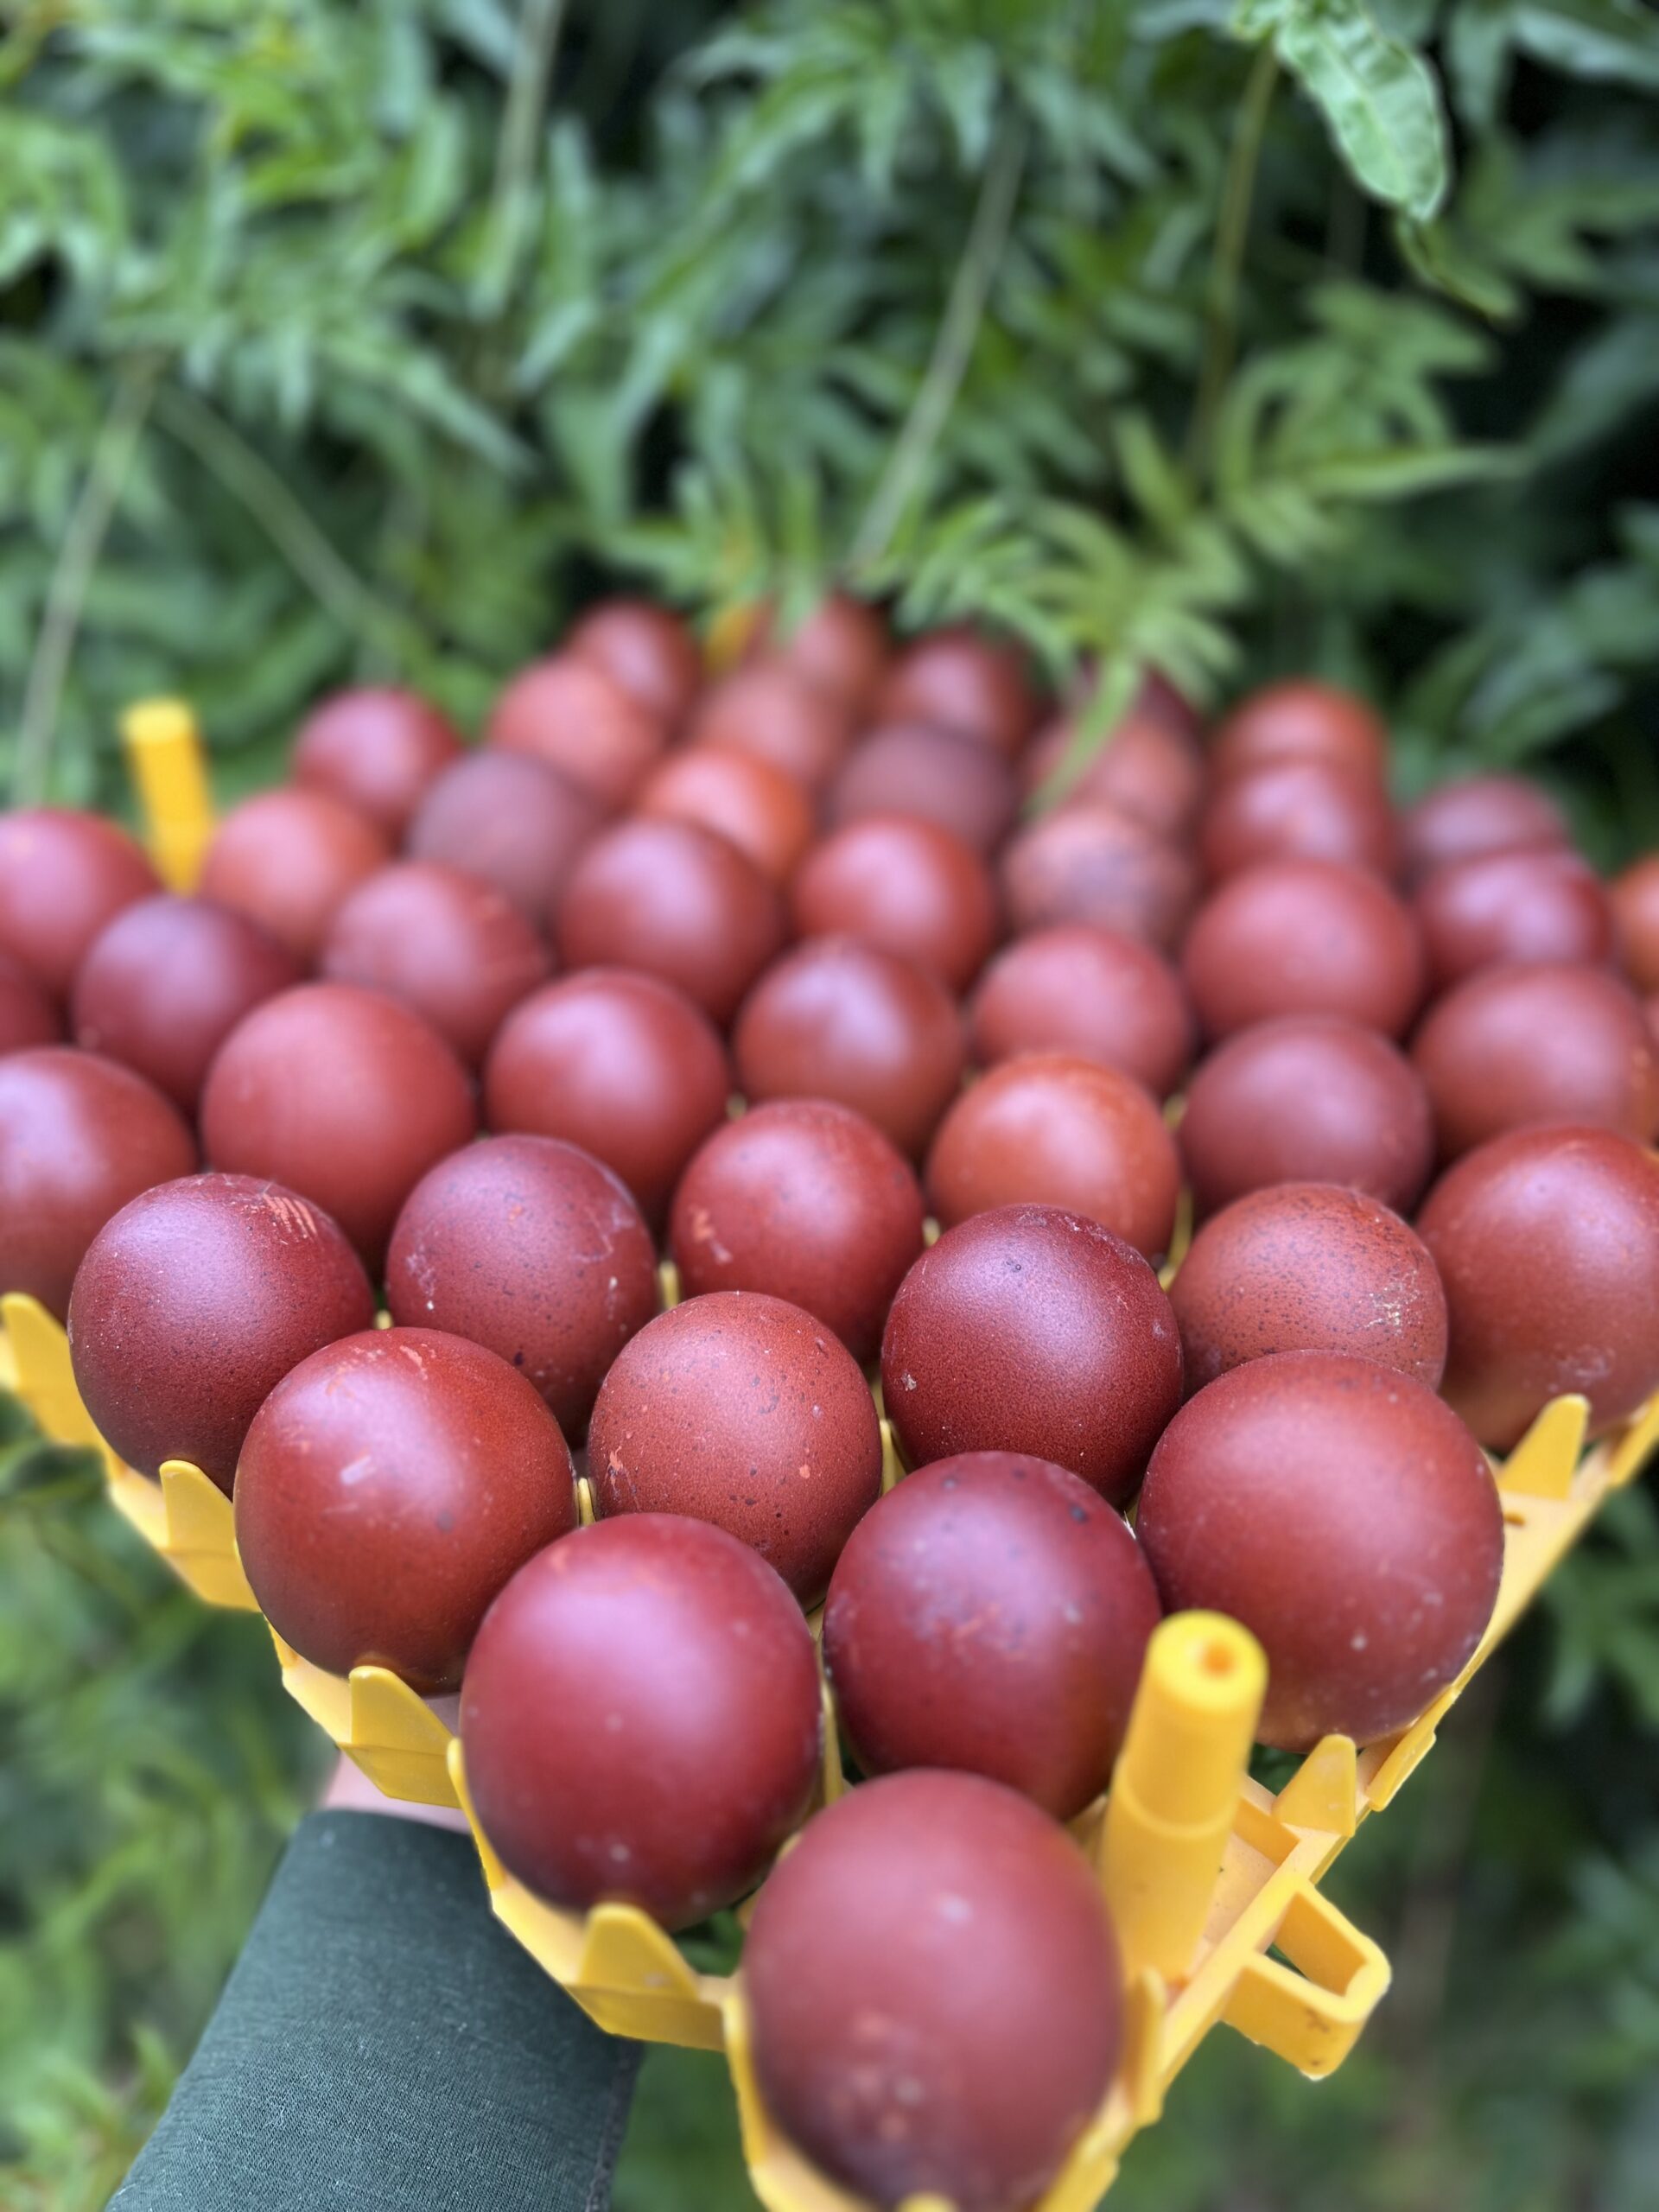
(1323, 1792)
(1542, 1463)
(164, 753)
(46, 1378)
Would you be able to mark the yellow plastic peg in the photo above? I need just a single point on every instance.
(169, 771)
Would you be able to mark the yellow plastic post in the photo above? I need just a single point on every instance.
(165, 755)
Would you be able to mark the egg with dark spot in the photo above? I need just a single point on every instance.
(648, 650)
(770, 713)
(958, 679)
(1636, 909)
(28, 1015)
(909, 886)
(1302, 719)
(1501, 907)
(288, 860)
(569, 712)
(1091, 863)
(64, 877)
(756, 805)
(378, 747)
(1095, 994)
(1298, 810)
(928, 775)
(1479, 814)
(512, 821)
(1304, 936)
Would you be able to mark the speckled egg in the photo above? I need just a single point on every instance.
(1479, 814)
(1636, 908)
(906, 885)
(288, 860)
(1302, 720)
(772, 712)
(380, 749)
(1298, 810)
(1146, 767)
(842, 647)
(513, 822)
(958, 679)
(932, 775)
(1507, 907)
(752, 803)
(1090, 863)
(569, 712)
(1093, 992)
(27, 1015)
(1304, 936)
(649, 650)
(63, 878)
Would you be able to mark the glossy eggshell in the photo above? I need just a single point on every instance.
(1090, 863)
(641, 1719)
(342, 1095)
(1302, 720)
(1304, 936)
(27, 1015)
(1545, 1042)
(1047, 1128)
(752, 803)
(991, 1614)
(380, 749)
(288, 860)
(804, 1201)
(1036, 1331)
(772, 712)
(650, 650)
(512, 821)
(958, 679)
(164, 985)
(390, 1486)
(909, 886)
(80, 1136)
(1093, 992)
(193, 1303)
(567, 711)
(1510, 906)
(1479, 814)
(532, 1247)
(929, 775)
(1146, 768)
(1636, 909)
(64, 877)
(746, 1412)
(1298, 810)
(1309, 1267)
(677, 902)
(842, 647)
(834, 1018)
(935, 1994)
(1548, 1242)
(621, 1064)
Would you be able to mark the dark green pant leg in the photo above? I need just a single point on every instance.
(384, 2045)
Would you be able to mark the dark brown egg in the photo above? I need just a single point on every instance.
(648, 650)
(532, 1247)
(935, 1994)
(288, 860)
(1047, 1128)
(1548, 1243)
(772, 712)
(1636, 909)
(193, 1303)
(806, 1201)
(1308, 1099)
(958, 679)
(1309, 1267)
(1146, 768)
(1651, 1007)
(745, 1411)
(1036, 1331)
(1347, 1519)
(752, 803)
(379, 748)
(342, 1095)
(1304, 936)
(512, 821)
(164, 985)
(906, 885)
(27, 1014)
(641, 1719)
(567, 711)
(621, 1064)
(1094, 993)
(1302, 720)
(63, 878)
(991, 1614)
(842, 647)
(675, 901)
(1508, 906)
(839, 1020)
(1090, 863)
(390, 1486)
(1479, 814)
(1298, 810)
(1545, 1042)
(932, 775)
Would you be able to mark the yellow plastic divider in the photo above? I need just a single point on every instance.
(169, 771)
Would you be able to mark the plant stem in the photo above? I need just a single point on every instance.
(1232, 229)
(539, 30)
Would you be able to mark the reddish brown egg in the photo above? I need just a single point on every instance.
(28, 1015)
(806, 1201)
(1512, 906)
(164, 985)
(935, 1994)
(930, 775)
(839, 1020)
(533, 1248)
(1303, 937)
(1347, 1519)
(906, 885)
(1093, 992)
(750, 803)
(842, 647)
(677, 902)
(193, 1303)
(1046, 1129)
(958, 679)
(1308, 1099)
(1309, 1267)
(1545, 1042)
(1298, 810)
(1636, 910)
(1476, 815)
(991, 1614)
(1651, 1007)
(1090, 863)
(379, 748)
(569, 712)
(63, 878)
(1302, 720)
(513, 822)
(648, 650)
(1036, 1331)
(1146, 768)
(288, 860)
(641, 1719)
(342, 1095)
(621, 1064)
(772, 713)
(1548, 1243)
(745, 1411)
(80, 1136)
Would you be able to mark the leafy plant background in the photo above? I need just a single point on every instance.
(1227, 335)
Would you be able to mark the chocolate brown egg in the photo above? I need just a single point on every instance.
(752, 803)
(1298, 810)
(1544, 1042)
(164, 985)
(804, 1201)
(1308, 1099)
(1047, 1128)
(956, 678)
(1303, 937)
(1512, 906)
(288, 860)
(193, 1303)
(935, 1994)
(1548, 1243)
(389, 1487)
(677, 902)
(641, 1719)
(621, 1064)
(1309, 1267)
(512, 821)
(569, 712)
(932, 775)
(1036, 1331)
(27, 1015)
(745, 1411)
(342, 1095)
(771, 712)
(909, 886)
(1146, 767)
(533, 1248)
(834, 1018)
(1476, 815)
(1302, 720)
(647, 649)
(1090, 863)
(63, 878)
(991, 1614)
(1636, 909)
(1093, 992)
(1349, 1520)
(380, 749)
(842, 647)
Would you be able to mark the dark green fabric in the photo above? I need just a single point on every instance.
(382, 2043)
